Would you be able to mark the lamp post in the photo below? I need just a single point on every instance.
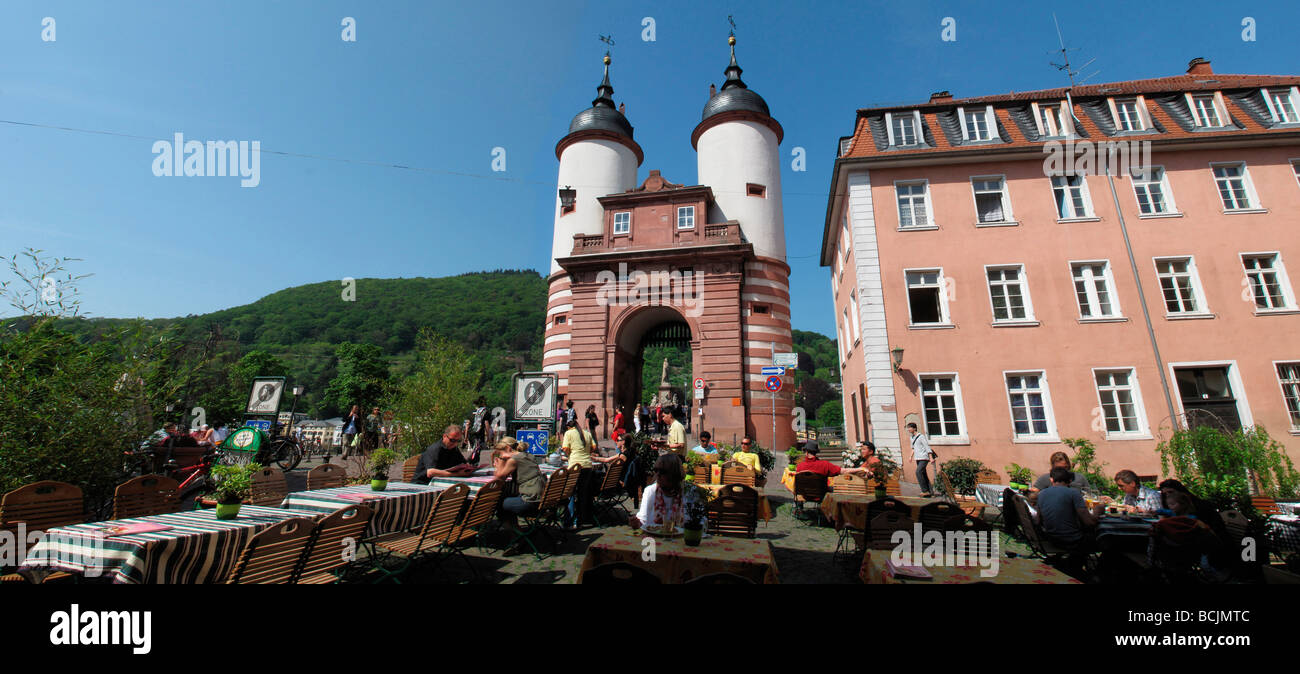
(293, 409)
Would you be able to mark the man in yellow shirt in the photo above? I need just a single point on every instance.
(676, 435)
(746, 457)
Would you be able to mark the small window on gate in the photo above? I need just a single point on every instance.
(561, 320)
(754, 190)
(760, 308)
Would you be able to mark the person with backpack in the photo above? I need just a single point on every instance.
(922, 455)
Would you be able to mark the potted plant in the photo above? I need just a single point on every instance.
(695, 511)
(879, 473)
(232, 484)
(1020, 476)
(793, 456)
(380, 461)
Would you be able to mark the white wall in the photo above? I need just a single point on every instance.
(732, 154)
(595, 168)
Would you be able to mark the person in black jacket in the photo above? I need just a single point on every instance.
(352, 425)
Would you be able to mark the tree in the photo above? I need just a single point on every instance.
(438, 393)
(1220, 466)
(363, 378)
(831, 413)
(813, 393)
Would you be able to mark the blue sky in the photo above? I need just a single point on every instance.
(437, 86)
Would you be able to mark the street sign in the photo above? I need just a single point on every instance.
(699, 383)
(774, 370)
(263, 424)
(533, 397)
(699, 395)
(538, 441)
(786, 359)
(265, 396)
(773, 383)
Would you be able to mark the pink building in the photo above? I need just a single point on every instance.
(993, 283)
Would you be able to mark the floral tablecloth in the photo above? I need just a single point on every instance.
(675, 562)
(1011, 571)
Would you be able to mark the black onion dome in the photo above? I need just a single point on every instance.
(602, 115)
(734, 95)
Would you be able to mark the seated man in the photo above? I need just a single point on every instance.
(1137, 497)
(1060, 460)
(1062, 513)
(747, 458)
(443, 458)
(867, 459)
(811, 463)
(706, 445)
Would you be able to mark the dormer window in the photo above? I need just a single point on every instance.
(903, 127)
(1207, 110)
(1126, 114)
(623, 222)
(1283, 104)
(1051, 121)
(685, 217)
(978, 124)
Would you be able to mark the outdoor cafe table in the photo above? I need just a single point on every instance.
(675, 562)
(1124, 533)
(198, 548)
(1011, 571)
(400, 507)
(851, 509)
(787, 481)
(990, 494)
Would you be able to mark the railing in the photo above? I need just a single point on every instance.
(708, 235)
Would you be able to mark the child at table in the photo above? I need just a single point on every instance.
(661, 502)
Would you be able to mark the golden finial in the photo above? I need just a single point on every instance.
(732, 40)
(606, 59)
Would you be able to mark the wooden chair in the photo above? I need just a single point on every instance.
(481, 511)
(43, 505)
(1265, 505)
(432, 535)
(934, 515)
(739, 474)
(273, 554)
(889, 504)
(850, 484)
(553, 498)
(968, 503)
(975, 536)
(408, 468)
(1038, 542)
(326, 476)
(720, 578)
(987, 476)
(892, 486)
(269, 488)
(703, 474)
(619, 573)
(146, 495)
(734, 511)
(882, 527)
(809, 487)
(611, 494)
(336, 535)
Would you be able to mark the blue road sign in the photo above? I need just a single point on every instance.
(538, 441)
(263, 424)
(773, 384)
(777, 370)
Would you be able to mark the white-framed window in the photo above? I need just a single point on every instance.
(1052, 120)
(1235, 188)
(844, 237)
(1295, 168)
(1009, 294)
(904, 128)
(685, 217)
(857, 324)
(623, 222)
(1127, 117)
(1205, 109)
(1121, 402)
(1071, 192)
(1180, 286)
(1288, 376)
(1151, 187)
(848, 331)
(1094, 290)
(927, 301)
(1268, 281)
(1282, 104)
(913, 204)
(992, 203)
(942, 409)
(978, 123)
(1031, 406)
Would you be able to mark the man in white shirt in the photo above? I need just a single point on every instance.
(921, 454)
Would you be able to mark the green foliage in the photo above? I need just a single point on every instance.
(811, 393)
(645, 455)
(381, 459)
(822, 350)
(1020, 474)
(1085, 461)
(362, 379)
(962, 471)
(1219, 466)
(831, 413)
(436, 395)
(680, 369)
(233, 484)
(793, 455)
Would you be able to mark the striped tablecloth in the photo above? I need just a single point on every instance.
(474, 483)
(399, 507)
(198, 548)
(990, 494)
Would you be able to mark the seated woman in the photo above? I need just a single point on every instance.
(511, 459)
(661, 503)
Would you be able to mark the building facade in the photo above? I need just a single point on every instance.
(995, 283)
(655, 262)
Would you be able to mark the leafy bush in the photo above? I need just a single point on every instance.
(1085, 461)
(793, 456)
(961, 472)
(1219, 466)
(831, 413)
(1019, 474)
(436, 395)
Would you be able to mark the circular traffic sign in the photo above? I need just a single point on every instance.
(773, 383)
(699, 383)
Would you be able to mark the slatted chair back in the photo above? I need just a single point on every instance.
(881, 529)
(481, 510)
(808, 486)
(703, 474)
(850, 484)
(337, 534)
(948, 491)
(619, 573)
(720, 578)
(1236, 525)
(889, 504)
(892, 487)
(741, 474)
(43, 505)
(987, 476)
(146, 495)
(613, 474)
(273, 554)
(571, 482)
(408, 468)
(326, 476)
(440, 523)
(734, 511)
(975, 536)
(732, 463)
(1265, 505)
(269, 487)
(553, 495)
(934, 515)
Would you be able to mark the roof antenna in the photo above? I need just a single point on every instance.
(1069, 71)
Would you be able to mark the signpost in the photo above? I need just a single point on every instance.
(777, 370)
(533, 396)
(538, 440)
(786, 359)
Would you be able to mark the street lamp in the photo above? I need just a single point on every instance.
(897, 354)
(568, 195)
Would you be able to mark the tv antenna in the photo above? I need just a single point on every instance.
(1065, 66)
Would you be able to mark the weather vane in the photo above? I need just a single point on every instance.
(732, 21)
(607, 39)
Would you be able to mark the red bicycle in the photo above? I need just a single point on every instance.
(189, 466)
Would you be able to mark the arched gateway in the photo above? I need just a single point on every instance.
(702, 265)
